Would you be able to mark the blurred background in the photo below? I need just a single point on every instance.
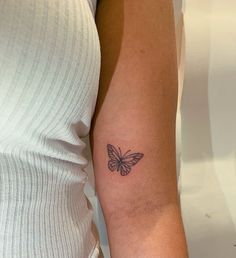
(208, 111)
(206, 129)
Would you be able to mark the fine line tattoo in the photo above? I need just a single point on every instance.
(122, 162)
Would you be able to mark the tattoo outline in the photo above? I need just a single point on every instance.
(122, 162)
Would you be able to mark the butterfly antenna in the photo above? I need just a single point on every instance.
(127, 152)
(120, 151)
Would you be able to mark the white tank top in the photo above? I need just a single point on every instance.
(49, 73)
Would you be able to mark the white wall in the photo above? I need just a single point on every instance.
(208, 167)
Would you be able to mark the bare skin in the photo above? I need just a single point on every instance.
(135, 114)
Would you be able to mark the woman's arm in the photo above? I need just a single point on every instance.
(136, 111)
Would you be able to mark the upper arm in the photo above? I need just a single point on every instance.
(137, 97)
(138, 44)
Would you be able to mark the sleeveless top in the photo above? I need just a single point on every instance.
(49, 73)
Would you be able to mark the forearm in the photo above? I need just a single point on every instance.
(141, 209)
(155, 234)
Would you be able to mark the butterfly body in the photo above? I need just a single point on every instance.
(121, 163)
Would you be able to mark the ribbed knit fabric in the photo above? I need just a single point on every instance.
(49, 73)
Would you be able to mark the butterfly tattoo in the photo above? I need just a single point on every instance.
(122, 162)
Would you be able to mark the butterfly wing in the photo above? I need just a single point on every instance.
(114, 157)
(124, 169)
(132, 159)
(129, 161)
(112, 165)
